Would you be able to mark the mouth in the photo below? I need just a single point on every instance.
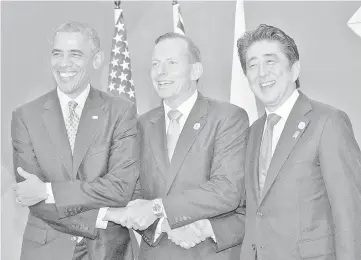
(164, 83)
(267, 84)
(66, 76)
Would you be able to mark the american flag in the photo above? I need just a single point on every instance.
(177, 19)
(120, 80)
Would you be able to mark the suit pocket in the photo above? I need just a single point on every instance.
(317, 247)
(35, 234)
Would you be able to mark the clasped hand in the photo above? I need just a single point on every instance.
(138, 215)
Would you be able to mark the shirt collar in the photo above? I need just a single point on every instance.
(186, 107)
(80, 100)
(285, 109)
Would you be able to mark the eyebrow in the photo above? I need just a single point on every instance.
(265, 55)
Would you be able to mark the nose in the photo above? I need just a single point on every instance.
(262, 71)
(65, 61)
(162, 70)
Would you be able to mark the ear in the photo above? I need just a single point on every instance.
(295, 70)
(98, 59)
(197, 71)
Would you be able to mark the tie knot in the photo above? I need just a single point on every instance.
(174, 115)
(72, 105)
(272, 119)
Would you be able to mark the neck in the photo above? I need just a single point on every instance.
(174, 103)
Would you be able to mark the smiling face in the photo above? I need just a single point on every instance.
(174, 77)
(71, 62)
(269, 73)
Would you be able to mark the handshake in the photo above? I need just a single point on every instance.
(138, 215)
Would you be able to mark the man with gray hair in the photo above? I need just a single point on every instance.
(76, 152)
(192, 164)
(303, 164)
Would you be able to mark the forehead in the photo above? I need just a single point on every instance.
(71, 40)
(169, 48)
(265, 48)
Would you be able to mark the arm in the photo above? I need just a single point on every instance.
(115, 188)
(24, 156)
(223, 191)
(340, 163)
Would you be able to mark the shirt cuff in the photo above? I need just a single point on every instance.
(49, 191)
(209, 230)
(100, 223)
(163, 209)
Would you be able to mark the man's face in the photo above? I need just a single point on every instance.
(71, 62)
(269, 73)
(171, 71)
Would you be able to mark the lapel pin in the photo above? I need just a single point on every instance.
(196, 126)
(296, 134)
(301, 125)
(94, 117)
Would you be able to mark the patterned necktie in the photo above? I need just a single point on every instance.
(72, 124)
(266, 149)
(173, 131)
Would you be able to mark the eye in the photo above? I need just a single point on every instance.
(76, 55)
(252, 66)
(172, 62)
(154, 63)
(56, 54)
(271, 62)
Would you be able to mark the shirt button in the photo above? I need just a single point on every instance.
(73, 238)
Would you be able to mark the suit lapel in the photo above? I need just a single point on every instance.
(254, 149)
(192, 127)
(92, 119)
(295, 126)
(158, 143)
(54, 124)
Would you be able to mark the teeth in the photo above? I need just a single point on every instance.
(67, 74)
(268, 83)
(164, 82)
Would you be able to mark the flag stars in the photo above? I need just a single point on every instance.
(121, 89)
(125, 65)
(120, 26)
(113, 74)
(131, 93)
(111, 86)
(131, 82)
(118, 38)
(123, 77)
(126, 53)
(116, 50)
(115, 62)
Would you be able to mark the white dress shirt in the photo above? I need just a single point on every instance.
(283, 111)
(80, 100)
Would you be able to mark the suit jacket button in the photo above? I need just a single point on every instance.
(73, 238)
(259, 214)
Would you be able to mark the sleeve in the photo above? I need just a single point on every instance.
(115, 188)
(223, 191)
(24, 156)
(340, 163)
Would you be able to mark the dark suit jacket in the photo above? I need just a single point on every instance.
(205, 178)
(311, 203)
(102, 172)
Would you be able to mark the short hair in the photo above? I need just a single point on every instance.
(267, 32)
(83, 28)
(195, 54)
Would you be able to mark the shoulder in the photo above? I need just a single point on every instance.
(225, 110)
(32, 107)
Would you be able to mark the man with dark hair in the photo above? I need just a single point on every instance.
(76, 151)
(303, 164)
(192, 164)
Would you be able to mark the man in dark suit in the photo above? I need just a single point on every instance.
(78, 150)
(303, 164)
(192, 164)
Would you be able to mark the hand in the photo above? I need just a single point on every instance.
(117, 215)
(187, 236)
(141, 214)
(31, 191)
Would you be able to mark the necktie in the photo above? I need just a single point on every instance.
(266, 149)
(72, 124)
(173, 131)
